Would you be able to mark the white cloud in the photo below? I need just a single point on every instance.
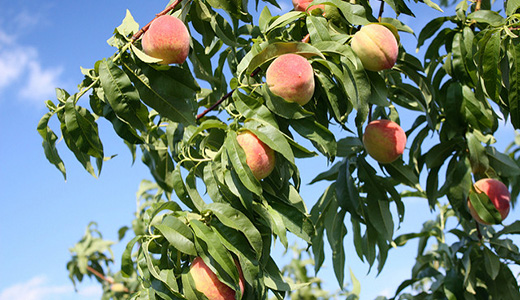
(21, 70)
(38, 288)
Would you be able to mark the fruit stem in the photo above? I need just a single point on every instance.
(202, 114)
(479, 234)
(306, 38)
(145, 27)
(381, 10)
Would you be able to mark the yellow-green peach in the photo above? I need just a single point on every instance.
(384, 140)
(497, 193)
(208, 283)
(291, 77)
(376, 47)
(168, 39)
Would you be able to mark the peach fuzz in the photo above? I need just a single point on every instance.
(208, 283)
(384, 140)
(301, 5)
(291, 77)
(168, 39)
(259, 157)
(497, 193)
(376, 47)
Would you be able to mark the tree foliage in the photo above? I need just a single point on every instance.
(205, 201)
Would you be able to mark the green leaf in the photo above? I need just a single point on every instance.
(491, 263)
(271, 136)
(320, 136)
(284, 20)
(82, 127)
(512, 6)
(510, 229)
(347, 192)
(235, 219)
(178, 234)
(180, 189)
(129, 26)
(317, 29)
(252, 108)
(514, 84)
(439, 153)
(127, 265)
(171, 92)
(430, 29)
(122, 95)
(295, 221)
(282, 108)
(503, 164)
(273, 277)
(489, 62)
(336, 232)
(49, 143)
(490, 17)
(354, 13)
(477, 154)
(403, 173)
(219, 259)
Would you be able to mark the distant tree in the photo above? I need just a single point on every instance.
(183, 120)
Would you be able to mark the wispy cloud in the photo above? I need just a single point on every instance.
(22, 71)
(39, 288)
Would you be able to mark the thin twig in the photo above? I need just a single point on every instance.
(99, 275)
(202, 114)
(136, 36)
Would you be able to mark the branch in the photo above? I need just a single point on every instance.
(145, 28)
(99, 275)
(202, 114)
(478, 5)
(381, 10)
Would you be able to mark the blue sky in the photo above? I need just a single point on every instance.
(42, 46)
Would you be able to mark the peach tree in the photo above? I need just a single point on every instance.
(222, 134)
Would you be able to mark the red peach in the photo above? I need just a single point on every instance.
(384, 140)
(301, 5)
(208, 283)
(376, 47)
(259, 157)
(291, 77)
(168, 39)
(497, 193)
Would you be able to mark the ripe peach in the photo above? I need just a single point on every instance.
(384, 140)
(376, 47)
(259, 157)
(208, 283)
(291, 77)
(168, 39)
(497, 193)
(301, 5)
